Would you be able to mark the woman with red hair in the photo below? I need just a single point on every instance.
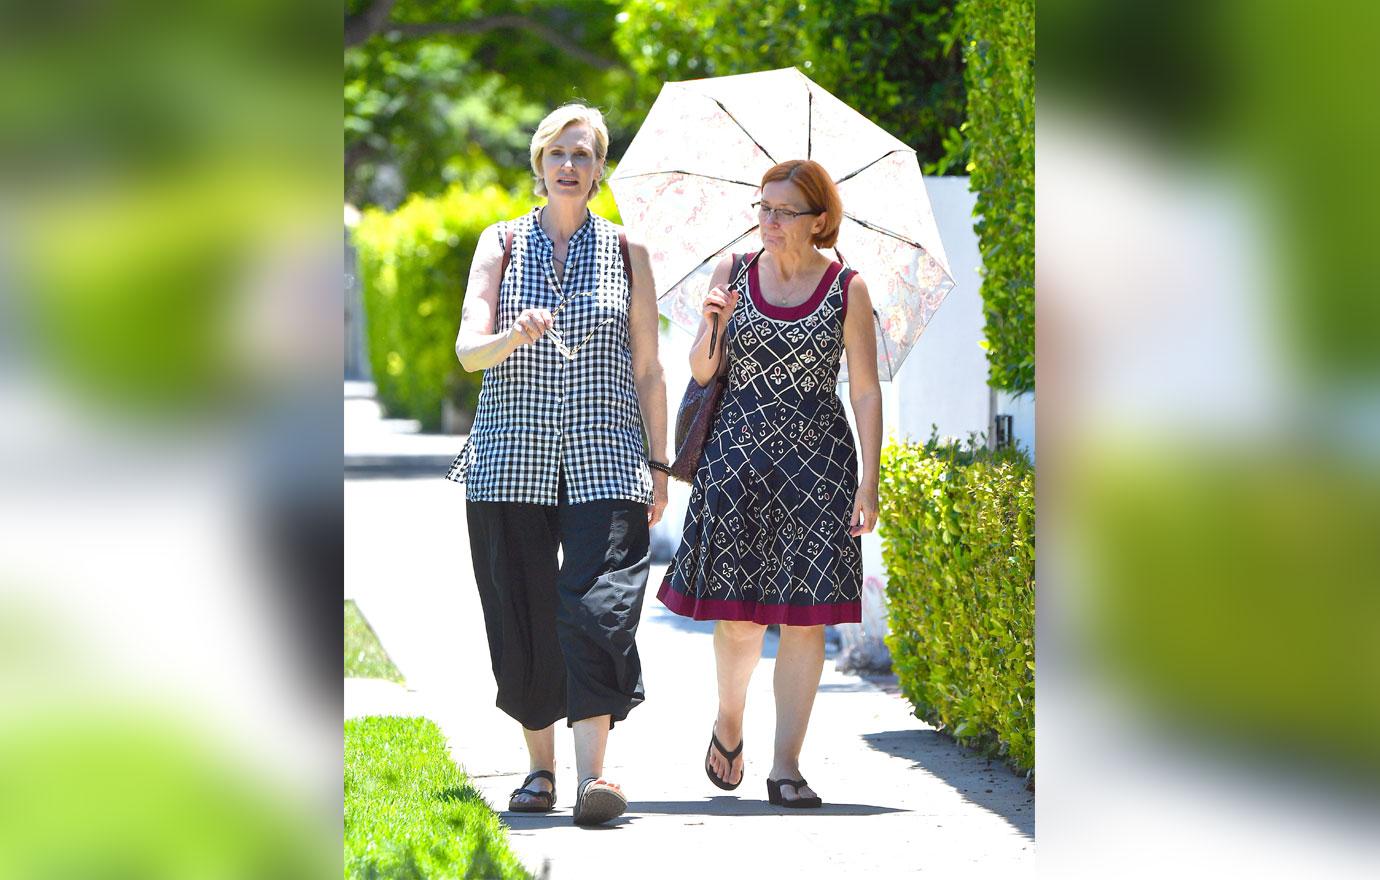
(772, 533)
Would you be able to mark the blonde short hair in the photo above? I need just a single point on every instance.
(556, 122)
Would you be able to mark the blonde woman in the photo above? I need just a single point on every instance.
(561, 316)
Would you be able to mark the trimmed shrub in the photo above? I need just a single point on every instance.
(413, 265)
(958, 538)
(999, 58)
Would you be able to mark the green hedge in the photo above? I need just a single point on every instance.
(413, 266)
(999, 55)
(958, 537)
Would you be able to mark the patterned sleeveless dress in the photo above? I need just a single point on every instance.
(766, 532)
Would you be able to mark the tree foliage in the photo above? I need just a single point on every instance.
(444, 92)
(898, 63)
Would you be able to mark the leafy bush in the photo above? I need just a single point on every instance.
(1000, 68)
(958, 537)
(413, 266)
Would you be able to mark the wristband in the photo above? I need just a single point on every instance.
(660, 466)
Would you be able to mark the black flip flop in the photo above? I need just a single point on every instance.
(549, 797)
(798, 803)
(728, 756)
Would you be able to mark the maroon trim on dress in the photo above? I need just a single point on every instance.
(791, 313)
(726, 609)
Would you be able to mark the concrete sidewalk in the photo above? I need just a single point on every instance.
(901, 799)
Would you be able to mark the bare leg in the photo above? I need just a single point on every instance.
(799, 664)
(737, 648)
(541, 755)
(591, 738)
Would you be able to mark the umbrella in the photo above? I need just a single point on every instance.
(687, 182)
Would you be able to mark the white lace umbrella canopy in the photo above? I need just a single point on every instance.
(688, 180)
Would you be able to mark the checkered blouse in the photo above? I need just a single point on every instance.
(542, 416)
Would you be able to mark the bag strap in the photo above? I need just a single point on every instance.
(627, 262)
(733, 273)
(507, 252)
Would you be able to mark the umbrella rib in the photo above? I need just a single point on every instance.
(689, 174)
(809, 124)
(706, 260)
(869, 165)
(744, 130)
(875, 228)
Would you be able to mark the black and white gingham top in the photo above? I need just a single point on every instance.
(542, 416)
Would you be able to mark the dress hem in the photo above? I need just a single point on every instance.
(729, 609)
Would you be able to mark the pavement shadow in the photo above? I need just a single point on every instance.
(715, 807)
(559, 819)
(734, 806)
(989, 784)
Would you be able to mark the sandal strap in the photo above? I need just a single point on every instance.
(728, 756)
(540, 774)
(537, 792)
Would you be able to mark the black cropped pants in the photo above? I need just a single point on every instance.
(561, 627)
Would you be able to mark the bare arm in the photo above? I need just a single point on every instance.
(719, 301)
(865, 394)
(643, 329)
(477, 345)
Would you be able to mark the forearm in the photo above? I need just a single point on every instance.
(867, 412)
(703, 367)
(651, 396)
(479, 351)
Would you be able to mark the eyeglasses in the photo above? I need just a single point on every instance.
(781, 215)
(559, 342)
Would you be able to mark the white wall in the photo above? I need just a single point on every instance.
(944, 379)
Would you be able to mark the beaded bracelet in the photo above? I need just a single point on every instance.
(659, 465)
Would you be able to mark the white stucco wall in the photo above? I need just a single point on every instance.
(944, 380)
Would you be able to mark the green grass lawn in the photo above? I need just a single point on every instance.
(364, 655)
(411, 812)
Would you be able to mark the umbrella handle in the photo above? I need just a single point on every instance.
(714, 334)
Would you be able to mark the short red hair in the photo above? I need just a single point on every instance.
(819, 191)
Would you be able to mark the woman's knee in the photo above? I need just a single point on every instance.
(802, 633)
(741, 630)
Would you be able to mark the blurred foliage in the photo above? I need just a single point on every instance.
(413, 266)
(1000, 55)
(1233, 590)
(898, 63)
(151, 164)
(958, 538)
(411, 812)
(101, 795)
(423, 112)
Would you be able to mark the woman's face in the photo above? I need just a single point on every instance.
(782, 235)
(570, 165)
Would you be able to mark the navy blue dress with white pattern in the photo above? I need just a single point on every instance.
(766, 532)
